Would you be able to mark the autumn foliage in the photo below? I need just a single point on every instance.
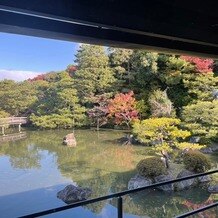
(71, 69)
(207, 214)
(201, 65)
(122, 108)
(37, 78)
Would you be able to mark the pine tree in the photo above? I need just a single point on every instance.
(93, 75)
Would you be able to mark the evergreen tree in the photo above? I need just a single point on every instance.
(120, 61)
(16, 98)
(201, 119)
(59, 107)
(93, 75)
(160, 104)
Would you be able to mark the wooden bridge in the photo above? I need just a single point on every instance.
(6, 122)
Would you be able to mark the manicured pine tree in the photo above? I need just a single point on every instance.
(93, 75)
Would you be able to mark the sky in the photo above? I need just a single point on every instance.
(23, 57)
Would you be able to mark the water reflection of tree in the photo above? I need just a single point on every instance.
(22, 155)
(152, 204)
(211, 213)
(100, 164)
(100, 186)
(155, 203)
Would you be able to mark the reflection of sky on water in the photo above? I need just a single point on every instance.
(33, 170)
(18, 180)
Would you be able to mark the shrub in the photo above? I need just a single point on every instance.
(151, 167)
(4, 114)
(165, 131)
(196, 161)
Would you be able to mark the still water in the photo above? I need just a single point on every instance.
(34, 169)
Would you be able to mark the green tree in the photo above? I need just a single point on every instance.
(4, 114)
(163, 132)
(120, 61)
(200, 86)
(201, 119)
(93, 75)
(59, 106)
(16, 98)
(160, 104)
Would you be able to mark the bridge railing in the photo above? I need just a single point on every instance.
(119, 197)
(13, 120)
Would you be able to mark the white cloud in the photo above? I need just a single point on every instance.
(17, 75)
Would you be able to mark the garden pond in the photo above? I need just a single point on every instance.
(34, 169)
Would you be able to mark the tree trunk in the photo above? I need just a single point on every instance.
(97, 124)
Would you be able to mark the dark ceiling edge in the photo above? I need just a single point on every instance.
(98, 25)
(47, 28)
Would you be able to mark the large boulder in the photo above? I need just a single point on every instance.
(194, 139)
(204, 179)
(207, 150)
(128, 140)
(164, 178)
(211, 149)
(214, 147)
(213, 188)
(70, 140)
(185, 184)
(72, 194)
(138, 182)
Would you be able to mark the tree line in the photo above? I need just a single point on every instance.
(120, 87)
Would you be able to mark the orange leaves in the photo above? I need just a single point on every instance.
(122, 109)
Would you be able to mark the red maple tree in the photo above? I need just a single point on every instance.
(122, 108)
(71, 69)
(201, 65)
(37, 78)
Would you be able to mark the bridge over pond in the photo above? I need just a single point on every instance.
(6, 122)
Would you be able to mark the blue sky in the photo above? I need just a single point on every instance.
(23, 56)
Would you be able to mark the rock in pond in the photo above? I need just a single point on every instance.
(207, 150)
(70, 140)
(138, 182)
(203, 179)
(213, 189)
(186, 184)
(195, 139)
(72, 194)
(164, 178)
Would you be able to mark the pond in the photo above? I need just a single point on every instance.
(34, 169)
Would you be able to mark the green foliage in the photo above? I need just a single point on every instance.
(53, 121)
(196, 161)
(16, 98)
(94, 76)
(144, 64)
(142, 109)
(4, 114)
(200, 86)
(160, 104)
(151, 167)
(188, 145)
(163, 86)
(201, 119)
(164, 132)
(59, 106)
(172, 73)
(121, 63)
